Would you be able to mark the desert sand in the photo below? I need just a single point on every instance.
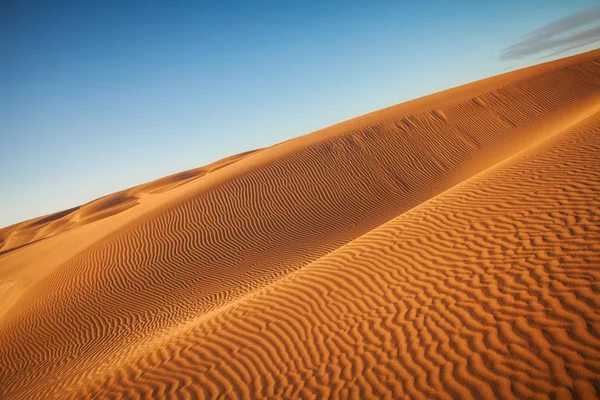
(447, 247)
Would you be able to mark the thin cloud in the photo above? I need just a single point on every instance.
(558, 36)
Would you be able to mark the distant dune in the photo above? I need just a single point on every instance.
(447, 247)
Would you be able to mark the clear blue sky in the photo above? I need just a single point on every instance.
(98, 96)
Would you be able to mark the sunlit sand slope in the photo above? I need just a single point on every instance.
(402, 253)
(490, 289)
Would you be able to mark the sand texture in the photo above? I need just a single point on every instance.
(447, 247)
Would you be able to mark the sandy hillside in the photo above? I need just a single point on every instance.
(447, 247)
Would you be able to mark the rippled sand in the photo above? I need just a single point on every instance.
(447, 247)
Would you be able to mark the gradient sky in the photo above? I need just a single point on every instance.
(98, 96)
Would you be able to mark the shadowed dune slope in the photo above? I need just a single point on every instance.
(443, 247)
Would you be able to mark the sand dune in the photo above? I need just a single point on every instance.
(447, 247)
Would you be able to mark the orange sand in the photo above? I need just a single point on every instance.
(447, 247)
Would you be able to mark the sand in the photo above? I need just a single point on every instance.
(447, 247)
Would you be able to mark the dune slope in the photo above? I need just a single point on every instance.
(488, 290)
(443, 247)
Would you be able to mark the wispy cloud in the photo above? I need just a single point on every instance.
(561, 35)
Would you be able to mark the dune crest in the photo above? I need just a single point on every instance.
(445, 247)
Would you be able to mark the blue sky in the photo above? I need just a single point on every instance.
(98, 96)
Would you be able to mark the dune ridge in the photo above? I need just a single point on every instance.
(24, 233)
(381, 257)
